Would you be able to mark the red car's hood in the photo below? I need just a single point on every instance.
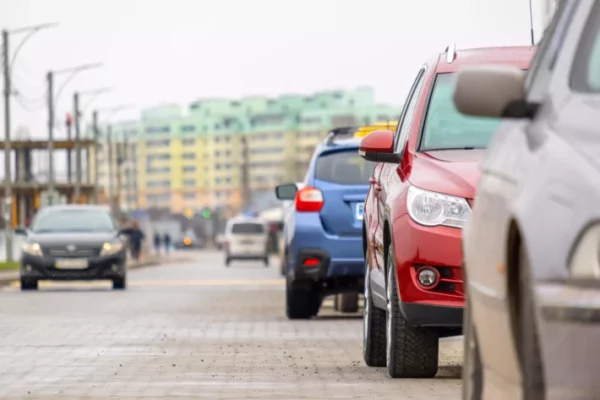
(453, 172)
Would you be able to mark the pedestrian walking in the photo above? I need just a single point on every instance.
(136, 236)
(167, 240)
(157, 243)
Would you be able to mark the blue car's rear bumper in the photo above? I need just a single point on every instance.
(338, 256)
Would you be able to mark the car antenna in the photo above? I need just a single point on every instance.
(531, 22)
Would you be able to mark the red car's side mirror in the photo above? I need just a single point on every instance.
(378, 146)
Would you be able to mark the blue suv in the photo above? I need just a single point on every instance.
(323, 246)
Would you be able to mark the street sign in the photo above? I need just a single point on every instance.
(48, 198)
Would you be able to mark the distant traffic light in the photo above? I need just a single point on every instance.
(206, 213)
(189, 213)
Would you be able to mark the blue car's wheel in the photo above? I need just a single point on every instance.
(302, 301)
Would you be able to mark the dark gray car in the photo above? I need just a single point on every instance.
(532, 244)
(73, 242)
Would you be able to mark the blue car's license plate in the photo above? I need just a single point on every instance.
(359, 211)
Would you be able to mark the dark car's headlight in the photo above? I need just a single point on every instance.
(110, 248)
(33, 249)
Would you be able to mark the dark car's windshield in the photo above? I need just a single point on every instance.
(344, 167)
(247, 228)
(72, 220)
(446, 128)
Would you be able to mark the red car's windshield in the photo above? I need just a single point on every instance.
(446, 128)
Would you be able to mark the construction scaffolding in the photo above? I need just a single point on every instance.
(29, 192)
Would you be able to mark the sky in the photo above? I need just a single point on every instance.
(176, 51)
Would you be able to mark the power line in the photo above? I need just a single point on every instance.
(27, 107)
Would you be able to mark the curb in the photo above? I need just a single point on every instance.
(5, 281)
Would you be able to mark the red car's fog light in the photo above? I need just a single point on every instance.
(428, 277)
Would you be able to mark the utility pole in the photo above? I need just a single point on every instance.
(73, 71)
(245, 175)
(50, 82)
(120, 162)
(7, 64)
(110, 112)
(110, 164)
(76, 112)
(133, 176)
(69, 123)
(96, 153)
(7, 150)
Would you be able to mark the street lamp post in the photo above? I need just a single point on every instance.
(52, 100)
(7, 65)
(78, 113)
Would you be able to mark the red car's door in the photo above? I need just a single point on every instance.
(372, 217)
(388, 175)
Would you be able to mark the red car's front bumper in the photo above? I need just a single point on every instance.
(416, 246)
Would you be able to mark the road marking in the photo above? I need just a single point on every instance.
(221, 282)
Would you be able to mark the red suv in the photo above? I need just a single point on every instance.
(420, 196)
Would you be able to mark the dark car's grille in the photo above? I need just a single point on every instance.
(63, 251)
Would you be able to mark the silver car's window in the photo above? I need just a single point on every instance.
(446, 128)
(72, 220)
(247, 228)
(585, 76)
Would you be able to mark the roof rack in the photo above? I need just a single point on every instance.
(450, 53)
(342, 131)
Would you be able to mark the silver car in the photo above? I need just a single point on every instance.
(532, 244)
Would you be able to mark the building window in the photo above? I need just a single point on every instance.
(157, 129)
(158, 143)
(267, 150)
(158, 170)
(159, 184)
(217, 153)
(188, 128)
(189, 168)
(159, 156)
(188, 156)
(189, 182)
(158, 198)
(188, 142)
(189, 196)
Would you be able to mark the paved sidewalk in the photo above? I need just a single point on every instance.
(195, 330)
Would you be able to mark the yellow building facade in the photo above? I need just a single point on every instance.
(189, 161)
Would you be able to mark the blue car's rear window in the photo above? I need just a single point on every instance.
(343, 167)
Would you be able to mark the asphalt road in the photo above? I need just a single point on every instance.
(191, 330)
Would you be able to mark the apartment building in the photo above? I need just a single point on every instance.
(193, 158)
